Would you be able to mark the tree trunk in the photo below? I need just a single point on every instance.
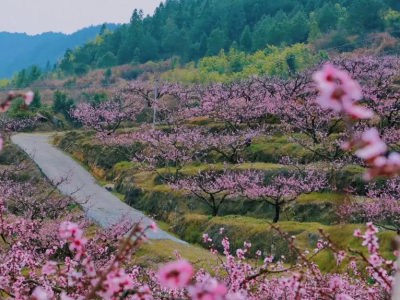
(215, 211)
(277, 213)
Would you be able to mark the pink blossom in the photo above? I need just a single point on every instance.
(240, 295)
(64, 296)
(69, 230)
(336, 283)
(375, 260)
(357, 111)
(5, 106)
(383, 166)
(336, 88)
(343, 297)
(176, 274)
(153, 227)
(209, 289)
(372, 145)
(39, 294)
(29, 98)
(49, 268)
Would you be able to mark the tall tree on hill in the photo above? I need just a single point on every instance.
(299, 27)
(315, 32)
(103, 29)
(216, 42)
(203, 45)
(148, 48)
(66, 64)
(236, 19)
(246, 40)
(171, 37)
(37, 102)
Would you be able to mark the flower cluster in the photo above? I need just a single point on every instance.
(338, 91)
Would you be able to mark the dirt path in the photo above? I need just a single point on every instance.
(102, 206)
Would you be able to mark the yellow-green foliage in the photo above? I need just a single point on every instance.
(391, 17)
(4, 82)
(321, 197)
(161, 251)
(236, 65)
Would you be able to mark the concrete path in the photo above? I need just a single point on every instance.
(102, 206)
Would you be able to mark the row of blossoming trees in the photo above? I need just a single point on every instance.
(325, 111)
(242, 114)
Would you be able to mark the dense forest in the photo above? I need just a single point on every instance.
(20, 50)
(194, 29)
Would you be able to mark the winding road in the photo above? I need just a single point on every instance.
(101, 206)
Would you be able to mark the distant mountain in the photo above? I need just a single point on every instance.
(19, 50)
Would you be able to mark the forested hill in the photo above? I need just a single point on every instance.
(193, 29)
(19, 50)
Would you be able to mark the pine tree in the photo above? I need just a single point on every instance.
(216, 42)
(37, 102)
(203, 45)
(315, 33)
(234, 46)
(299, 28)
(246, 41)
(103, 29)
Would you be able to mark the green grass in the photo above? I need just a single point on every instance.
(158, 252)
(167, 228)
(320, 198)
(260, 234)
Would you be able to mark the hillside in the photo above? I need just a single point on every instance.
(24, 50)
(193, 29)
(183, 31)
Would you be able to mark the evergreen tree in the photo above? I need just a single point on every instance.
(103, 29)
(66, 64)
(203, 45)
(260, 34)
(234, 46)
(81, 69)
(246, 41)
(136, 56)
(62, 105)
(216, 42)
(34, 74)
(315, 33)
(37, 102)
(148, 49)
(107, 61)
(107, 76)
(126, 52)
(299, 28)
(256, 13)
(327, 17)
(236, 20)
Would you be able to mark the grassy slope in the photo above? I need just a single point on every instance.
(191, 226)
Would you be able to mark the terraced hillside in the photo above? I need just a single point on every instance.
(191, 170)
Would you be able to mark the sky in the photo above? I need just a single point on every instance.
(68, 16)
